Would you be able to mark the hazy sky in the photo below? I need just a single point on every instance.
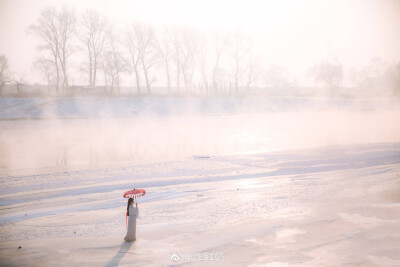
(294, 34)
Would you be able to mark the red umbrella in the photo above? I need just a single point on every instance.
(135, 193)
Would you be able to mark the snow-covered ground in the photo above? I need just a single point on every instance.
(310, 207)
(291, 186)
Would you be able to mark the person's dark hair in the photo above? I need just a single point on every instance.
(130, 201)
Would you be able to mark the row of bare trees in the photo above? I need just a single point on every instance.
(184, 60)
(377, 74)
(178, 58)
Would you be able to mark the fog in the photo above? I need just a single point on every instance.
(174, 128)
(252, 125)
(149, 81)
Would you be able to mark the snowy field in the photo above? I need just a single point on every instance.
(282, 182)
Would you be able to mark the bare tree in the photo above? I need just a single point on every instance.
(328, 74)
(220, 44)
(143, 49)
(148, 52)
(56, 30)
(378, 67)
(176, 38)
(377, 74)
(93, 36)
(277, 76)
(180, 52)
(113, 62)
(106, 67)
(133, 46)
(166, 52)
(202, 58)
(19, 81)
(118, 62)
(253, 72)
(240, 47)
(46, 29)
(354, 76)
(66, 25)
(3, 72)
(390, 79)
(188, 56)
(46, 68)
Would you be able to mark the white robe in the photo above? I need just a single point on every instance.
(131, 233)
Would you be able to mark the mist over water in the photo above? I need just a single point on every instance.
(149, 81)
(69, 133)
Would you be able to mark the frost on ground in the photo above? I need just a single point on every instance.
(334, 205)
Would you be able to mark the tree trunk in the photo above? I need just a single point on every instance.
(105, 82)
(146, 75)
(63, 62)
(117, 81)
(237, 73)
(177, 74)
(168, 78)
(57, 74)
(1, 87)
(185, 82)
(137, 80)
(90, 65)
(94, 71)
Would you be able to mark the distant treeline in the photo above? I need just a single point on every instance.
(184, 61)
(36, 90)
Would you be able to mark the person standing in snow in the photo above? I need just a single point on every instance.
(132, 213)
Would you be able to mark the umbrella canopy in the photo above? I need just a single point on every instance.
(135, 193)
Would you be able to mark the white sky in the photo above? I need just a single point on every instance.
(294, 34)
